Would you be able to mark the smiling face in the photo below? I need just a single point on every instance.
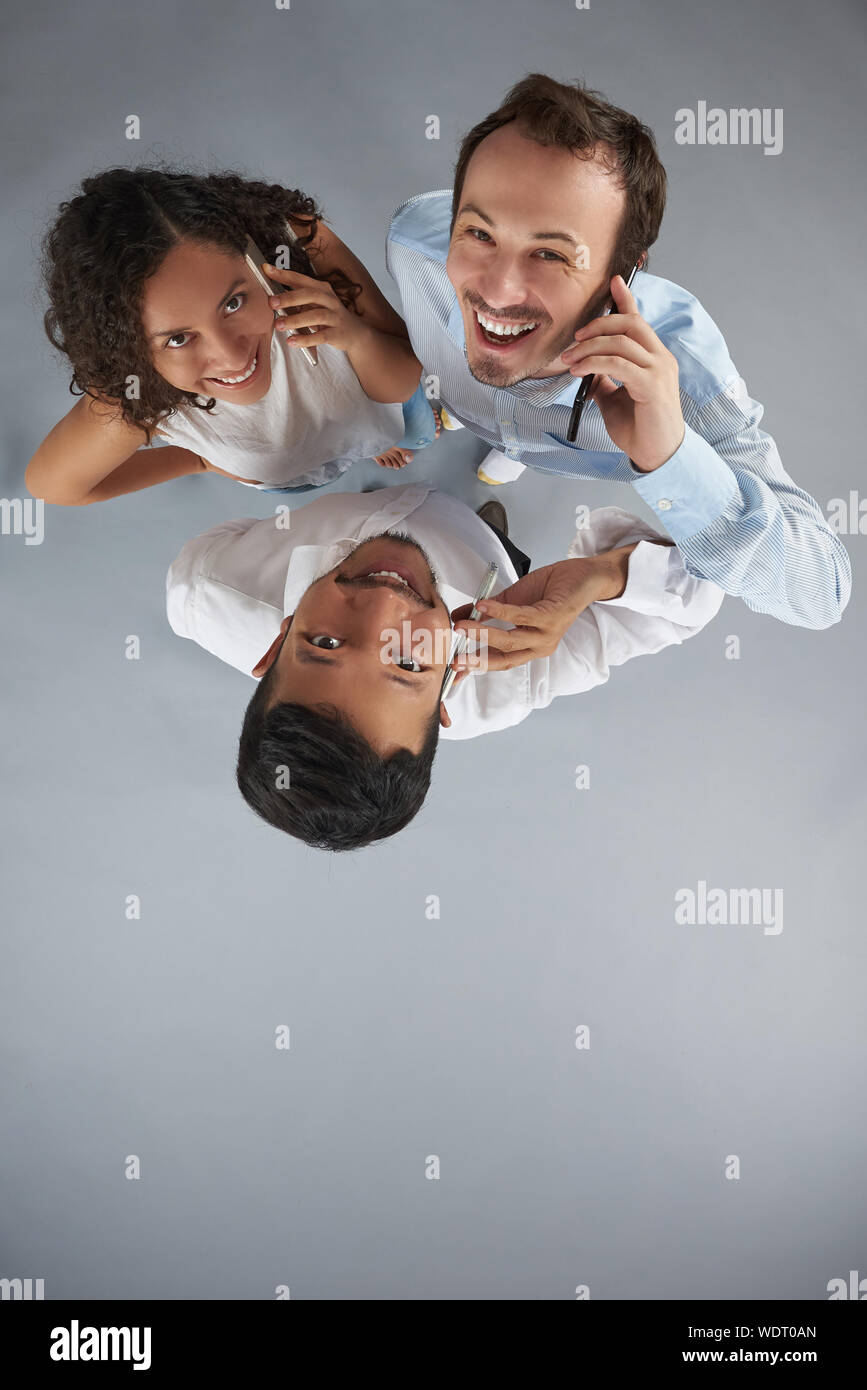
(209, 324)
(529, 253)
(335, 648)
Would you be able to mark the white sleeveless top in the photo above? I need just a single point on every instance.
(310, 426)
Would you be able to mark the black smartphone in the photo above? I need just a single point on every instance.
(587, 382)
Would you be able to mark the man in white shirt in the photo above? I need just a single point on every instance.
(345, 615)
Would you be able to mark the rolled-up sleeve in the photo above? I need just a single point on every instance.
(740, 520)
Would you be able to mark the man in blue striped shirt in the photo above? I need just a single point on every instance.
(557, 195)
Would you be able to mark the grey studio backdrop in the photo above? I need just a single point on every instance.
(413, 1037)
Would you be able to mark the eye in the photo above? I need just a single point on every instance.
(483, 237)
(323, 641)
(238, 300)
(171, 343)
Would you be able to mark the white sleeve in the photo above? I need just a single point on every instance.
(662, 604)
(185, 572)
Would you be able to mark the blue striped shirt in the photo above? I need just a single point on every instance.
(737, 517)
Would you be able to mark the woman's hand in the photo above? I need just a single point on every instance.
(311, 303)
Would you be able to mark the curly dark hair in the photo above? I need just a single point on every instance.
(112, 236)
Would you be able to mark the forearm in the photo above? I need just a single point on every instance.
(612, 571)
(661, 605)
(385, 364)
(144, 469)
(90, 444)
(740, 521)
(777, 554)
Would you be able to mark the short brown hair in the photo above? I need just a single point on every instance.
(575, 118)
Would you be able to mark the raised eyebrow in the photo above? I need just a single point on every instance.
(408, 682)
(534, 236)
(172, 332)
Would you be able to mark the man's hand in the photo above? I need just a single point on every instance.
(643, 416)
(542, 605)
(311, 303)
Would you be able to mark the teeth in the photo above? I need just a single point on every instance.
(391, 574)
(234, 380)
(504, 330)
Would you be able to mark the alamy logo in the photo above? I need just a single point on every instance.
(102, 1344)
(848, 516)
(857, 1288)
(23, 516)
(722, 907)
(22, 1288)
(740, 125)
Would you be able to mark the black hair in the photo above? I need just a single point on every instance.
(313, 775)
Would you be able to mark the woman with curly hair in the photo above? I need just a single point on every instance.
(171, 338)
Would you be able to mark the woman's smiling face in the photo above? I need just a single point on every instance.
(209, 324)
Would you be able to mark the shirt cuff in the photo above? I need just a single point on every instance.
(690, 490)
(647, 578)
(658, 585)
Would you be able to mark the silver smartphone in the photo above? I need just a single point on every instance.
(254, 258)
(460, 646)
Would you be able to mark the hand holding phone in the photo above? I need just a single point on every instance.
(544, 604)
(460, 645)
(255, 260)
(587, 383)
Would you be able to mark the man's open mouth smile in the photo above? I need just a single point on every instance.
(502, 334)
(391, 564)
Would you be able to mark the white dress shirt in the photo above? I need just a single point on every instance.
(230, 588)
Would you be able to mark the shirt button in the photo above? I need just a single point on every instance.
(664, 504)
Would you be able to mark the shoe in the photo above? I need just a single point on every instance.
(497, 468)
(449, 423)
(494, 513)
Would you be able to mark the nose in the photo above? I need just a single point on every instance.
(502, 283)
(372, 602)
(370, 612)
(227, 353)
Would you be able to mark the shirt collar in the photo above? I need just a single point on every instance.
(308, 563)
(456, 320)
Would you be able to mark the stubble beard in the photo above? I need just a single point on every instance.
(492, 371)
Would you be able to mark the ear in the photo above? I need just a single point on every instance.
(271, 654)
(445, 719)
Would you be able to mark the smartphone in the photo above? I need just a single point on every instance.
(587, 382)
(460, 646)
(254, 258)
